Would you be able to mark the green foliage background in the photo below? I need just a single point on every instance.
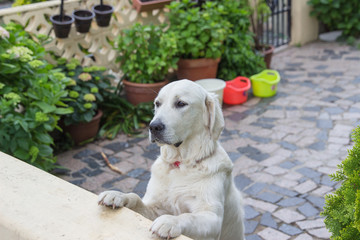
(339, 15)
(342, 208)
(31, 99)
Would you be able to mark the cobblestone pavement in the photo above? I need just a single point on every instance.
(283, 148)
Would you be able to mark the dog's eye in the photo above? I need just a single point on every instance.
(180, 104)
(157, 104)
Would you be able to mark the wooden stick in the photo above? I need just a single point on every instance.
(112, 167)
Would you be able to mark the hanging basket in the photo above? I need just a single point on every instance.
(83, 19)
(61, 27)
(103, 14)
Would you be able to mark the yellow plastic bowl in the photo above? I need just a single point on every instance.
(264, 84)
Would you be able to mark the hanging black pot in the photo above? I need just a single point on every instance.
(62, 25)
(103, 14)
(83, 20)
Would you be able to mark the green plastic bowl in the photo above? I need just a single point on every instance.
(264, 84)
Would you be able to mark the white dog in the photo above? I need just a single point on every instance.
(191, 190)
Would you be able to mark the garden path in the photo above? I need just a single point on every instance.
(283, 148)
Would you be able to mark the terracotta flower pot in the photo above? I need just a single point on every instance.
(103, 14)
(84, 131)
(61, 27)
(142, 92)
(142, 6)
(195, 69)
(83, 19)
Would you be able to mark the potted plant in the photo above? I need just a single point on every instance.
(83, 19)
(86, 90)
(146, 54)
(239, 57)
(61, 23)
(103, 14)
(259, 14)
(148, 5)
(200, 32)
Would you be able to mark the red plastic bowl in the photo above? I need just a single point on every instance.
(236, 90)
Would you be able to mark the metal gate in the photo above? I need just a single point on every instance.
(277, 26)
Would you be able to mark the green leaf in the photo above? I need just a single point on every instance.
(34, 152)
(46, 108)
(21, 154)
(44, 138)
(9, 68)
(88, 116)
(45, 150)
(48, 127)
(63, 111)
(32, 95)
(23, 143)
(24, 125)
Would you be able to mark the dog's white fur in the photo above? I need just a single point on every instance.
(198, 198)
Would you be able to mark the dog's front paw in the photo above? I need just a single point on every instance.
(166, 226)
(113, 199)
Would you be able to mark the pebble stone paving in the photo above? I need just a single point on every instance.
(283, 148)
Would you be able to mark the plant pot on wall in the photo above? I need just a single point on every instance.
(195, 69)
(103, 14)
(83, 19)
(148, 5)
(142, 92)
(61, 25)
(81, 132)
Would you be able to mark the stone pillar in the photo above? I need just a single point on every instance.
(304, 28)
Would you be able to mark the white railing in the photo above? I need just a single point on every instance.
(35, 17)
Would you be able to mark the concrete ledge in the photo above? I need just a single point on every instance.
(37, 205)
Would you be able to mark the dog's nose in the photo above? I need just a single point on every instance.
(156, 127)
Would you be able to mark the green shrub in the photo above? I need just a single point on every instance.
(146, 53)
(86, 90)
(239, 57)
(342, 208)
(338, 15)
(31, 95)
(199, 32)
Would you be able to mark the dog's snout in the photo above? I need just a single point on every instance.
(156, 127)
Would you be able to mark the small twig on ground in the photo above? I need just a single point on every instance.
(112, 167)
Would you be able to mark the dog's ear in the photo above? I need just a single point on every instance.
(214, 117)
